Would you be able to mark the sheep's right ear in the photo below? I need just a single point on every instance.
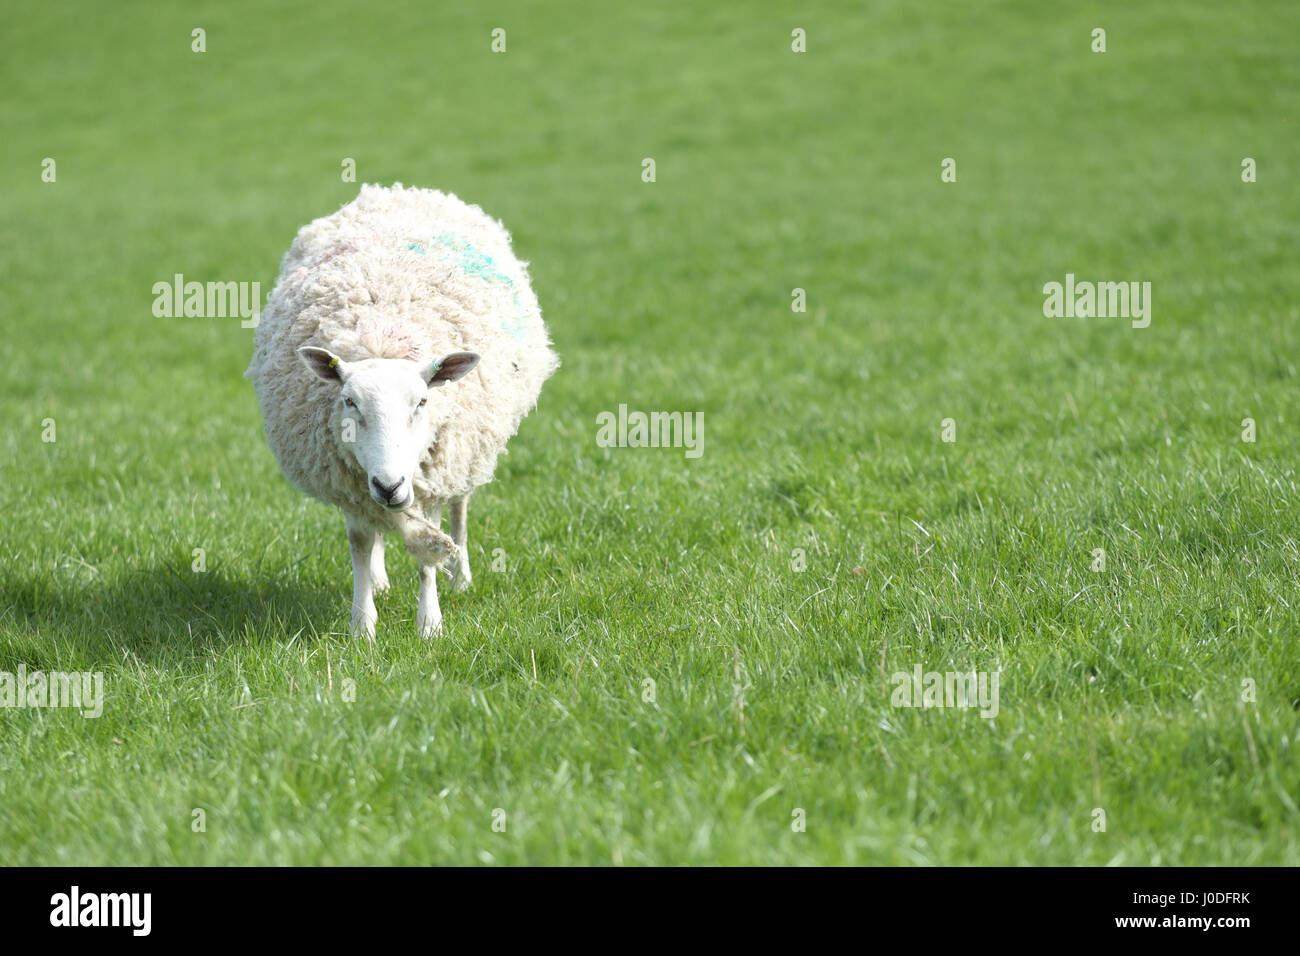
(450, 367)
(323, 362)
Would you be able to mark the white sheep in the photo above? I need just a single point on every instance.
(378, 310)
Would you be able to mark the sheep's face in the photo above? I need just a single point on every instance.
(384, 414)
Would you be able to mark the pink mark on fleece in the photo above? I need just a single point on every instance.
(391, 339)
(381, 338)
(342, 245)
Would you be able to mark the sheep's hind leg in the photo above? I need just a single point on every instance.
(378, 574)
(431, 548)
(460, 576)
(361, 543)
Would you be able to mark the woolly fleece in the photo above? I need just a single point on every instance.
(400, 273)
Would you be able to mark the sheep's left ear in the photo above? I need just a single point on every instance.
(323, 362)
(450, 367)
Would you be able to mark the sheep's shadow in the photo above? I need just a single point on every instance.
(157, 612)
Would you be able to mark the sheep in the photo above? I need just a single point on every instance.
(397, 354)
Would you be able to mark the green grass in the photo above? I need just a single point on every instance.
(227, 690)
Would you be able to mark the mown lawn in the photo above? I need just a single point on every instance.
(678, 659)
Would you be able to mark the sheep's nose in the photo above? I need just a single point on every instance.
(387, 492)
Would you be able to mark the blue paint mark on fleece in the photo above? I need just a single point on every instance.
(476, 263)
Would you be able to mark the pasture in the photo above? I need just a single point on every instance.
(666, 657)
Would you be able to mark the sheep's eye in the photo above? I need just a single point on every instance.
(422, 403)
(349, 403)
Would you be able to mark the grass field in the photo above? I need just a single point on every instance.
(238, 691)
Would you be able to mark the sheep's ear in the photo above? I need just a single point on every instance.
(323, 362)
(450, 367)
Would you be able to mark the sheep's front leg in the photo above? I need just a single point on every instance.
(378, 574)
(428, 616)
(460, 576)
(361, 543)
(431, 548)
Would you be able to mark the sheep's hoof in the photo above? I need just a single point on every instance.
(380, 583)
(431, 629)
(460, 578)
(364, 625)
